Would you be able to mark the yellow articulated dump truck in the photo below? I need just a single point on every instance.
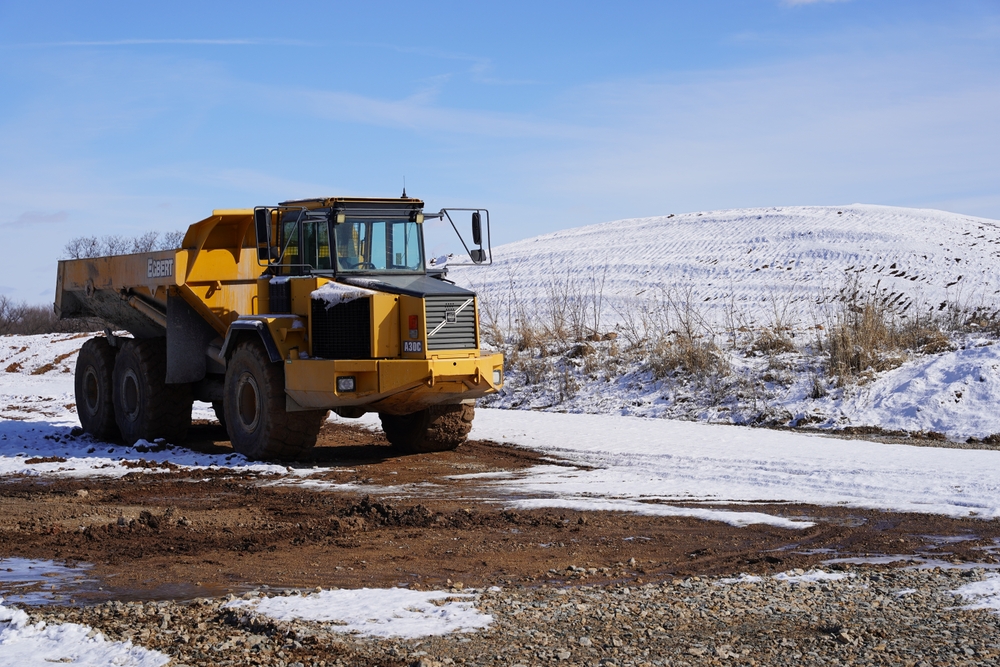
(277, 315)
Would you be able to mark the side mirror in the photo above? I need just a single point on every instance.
(262, 225)
(477, 255)
(477, 230)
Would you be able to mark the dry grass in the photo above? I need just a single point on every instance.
(556, 342)
(868, 337)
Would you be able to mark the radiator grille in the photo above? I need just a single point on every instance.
(280, 296)
(342, 331)
(459, 334)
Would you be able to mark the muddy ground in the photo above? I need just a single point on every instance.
(179, 535)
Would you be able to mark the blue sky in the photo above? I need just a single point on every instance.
(120, 117)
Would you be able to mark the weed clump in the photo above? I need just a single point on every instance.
(869, 337)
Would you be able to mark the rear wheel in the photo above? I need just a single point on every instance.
(146, 407)
(259, 425)
(95, 366)
(439, 428)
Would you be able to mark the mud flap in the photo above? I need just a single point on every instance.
(188, 336)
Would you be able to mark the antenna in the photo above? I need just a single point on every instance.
(403, 196)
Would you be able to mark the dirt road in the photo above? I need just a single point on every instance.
(177, 535)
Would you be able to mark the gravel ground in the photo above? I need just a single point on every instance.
(871, 615)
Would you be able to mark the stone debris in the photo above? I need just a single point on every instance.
(873, 616)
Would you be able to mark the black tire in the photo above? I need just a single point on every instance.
(146, 407)
(95, 366)
(440, 428)
(259, 426)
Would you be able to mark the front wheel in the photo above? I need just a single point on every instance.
(440, 428)
(259, 425)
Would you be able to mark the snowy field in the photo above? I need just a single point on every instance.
(950, 393)
(749, 261)
(743, 272)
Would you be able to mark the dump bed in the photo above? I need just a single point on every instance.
(135, 292)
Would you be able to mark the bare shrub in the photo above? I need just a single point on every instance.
(772, 340)
(21, 318)
(863, 339)
(680, 339)
(868, 336)
(679, 353)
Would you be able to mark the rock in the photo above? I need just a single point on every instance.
(585, 642)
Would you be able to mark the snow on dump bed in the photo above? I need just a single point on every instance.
(750, 259)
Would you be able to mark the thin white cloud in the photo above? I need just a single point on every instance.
(30, 218)
(479, 67)
(158, 42)
(793, 3)
(418, 113)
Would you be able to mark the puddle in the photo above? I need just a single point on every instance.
(937, 540)
(26, 581)
(916, 562)
(31, 582)
(173, 591)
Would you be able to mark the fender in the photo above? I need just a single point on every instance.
(250, 323)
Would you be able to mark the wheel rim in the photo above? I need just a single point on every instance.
(91, 390)
(248, 402)
(130, 395)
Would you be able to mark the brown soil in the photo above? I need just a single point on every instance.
(168, 533)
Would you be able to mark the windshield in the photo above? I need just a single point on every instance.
(379, 245)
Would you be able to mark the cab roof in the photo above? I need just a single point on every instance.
(408, 203)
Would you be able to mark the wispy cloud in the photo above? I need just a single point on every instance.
(479, 67)
(37, 218)
(418, 112)
(159, 42)
(793, 3)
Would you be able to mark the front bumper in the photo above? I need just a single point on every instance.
(397, 386)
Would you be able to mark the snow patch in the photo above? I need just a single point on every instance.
(379, 612)
(812, 576)
(983, 594)
(25, 644)
(666, 461)
(336, 293)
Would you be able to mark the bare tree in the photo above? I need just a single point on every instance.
(171, 240)
(83, 247)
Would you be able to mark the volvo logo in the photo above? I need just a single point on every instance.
(450, 316)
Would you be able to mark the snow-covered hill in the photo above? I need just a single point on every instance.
(753, 267)
(752, 260)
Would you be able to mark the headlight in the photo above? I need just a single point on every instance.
(345, 383)
(497, 377)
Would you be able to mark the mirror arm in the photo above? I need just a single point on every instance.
(487, 256)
